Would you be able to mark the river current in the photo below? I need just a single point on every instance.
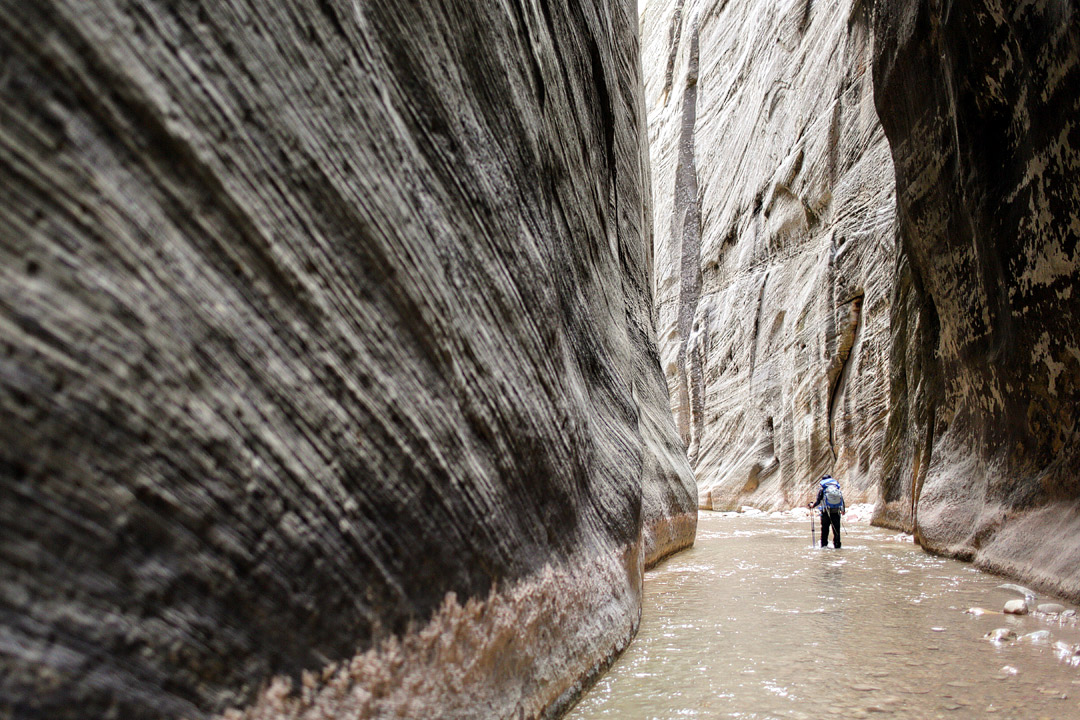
(754, 623)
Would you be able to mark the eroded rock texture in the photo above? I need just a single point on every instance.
(774, 222)
(980, 102)
(325, 345)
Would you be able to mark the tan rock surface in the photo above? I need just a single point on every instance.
(773, 213)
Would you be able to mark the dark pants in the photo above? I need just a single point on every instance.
(830, 518)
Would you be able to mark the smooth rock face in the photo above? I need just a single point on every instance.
(774, 221)
(326, 344)
(979, 101)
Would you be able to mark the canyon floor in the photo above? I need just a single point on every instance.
(755, 623)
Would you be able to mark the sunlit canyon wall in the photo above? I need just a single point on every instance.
(866, 218)
(774, 219)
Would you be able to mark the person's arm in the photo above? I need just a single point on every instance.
(820, 497)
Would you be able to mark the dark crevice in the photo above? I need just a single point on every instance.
(327, 8)
(757, 327)
(674, 36)
(848, 338)
(686, 226)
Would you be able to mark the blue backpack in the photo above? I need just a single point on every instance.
(832, 498)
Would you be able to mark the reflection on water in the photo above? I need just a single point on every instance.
(754, 623)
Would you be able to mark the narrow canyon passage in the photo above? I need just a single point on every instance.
(754, 623)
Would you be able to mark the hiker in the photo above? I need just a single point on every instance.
(832, 505)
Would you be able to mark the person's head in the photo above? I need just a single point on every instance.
(826, 478)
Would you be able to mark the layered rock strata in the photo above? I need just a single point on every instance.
(328, 385)
(774, 224)
(979, 101)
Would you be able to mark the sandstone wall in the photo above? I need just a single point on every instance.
(326, 349)
(774, 226)
(979, 101)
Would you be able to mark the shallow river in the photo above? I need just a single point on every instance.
(754, 623)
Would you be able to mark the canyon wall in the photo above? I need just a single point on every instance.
(328, 382)
(774, 226)
(980, 103)
(894, 302)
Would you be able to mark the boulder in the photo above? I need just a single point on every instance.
(1016, 607)
(328, 376)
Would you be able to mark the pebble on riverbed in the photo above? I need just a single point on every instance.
(1051, 608)
(1016, 607)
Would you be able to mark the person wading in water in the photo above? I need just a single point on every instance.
(831, 501)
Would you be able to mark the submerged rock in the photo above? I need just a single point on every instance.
(327, 361)
(1001, 635)
(1051, 608)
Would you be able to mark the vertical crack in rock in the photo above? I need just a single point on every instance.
(674, 36)
(686, 226)
(808, 6)
(759, 309)
(839, 368)
(607, 127)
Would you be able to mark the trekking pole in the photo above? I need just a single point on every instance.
(813, 541)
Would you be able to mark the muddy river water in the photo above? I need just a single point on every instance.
(754, 623)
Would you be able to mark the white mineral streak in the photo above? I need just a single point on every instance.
(774, 219)
(458, 665)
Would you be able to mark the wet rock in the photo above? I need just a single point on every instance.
(1066, 650)
(1001, 635)
(773, 224)
(1016, 607)
(327, 361)
(1051, 608)
(978, 106)
(1039, 637)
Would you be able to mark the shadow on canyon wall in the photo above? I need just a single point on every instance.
(328, 376)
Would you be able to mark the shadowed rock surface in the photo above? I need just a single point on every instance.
(326, 344)
(774, 228)
(979, 101)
